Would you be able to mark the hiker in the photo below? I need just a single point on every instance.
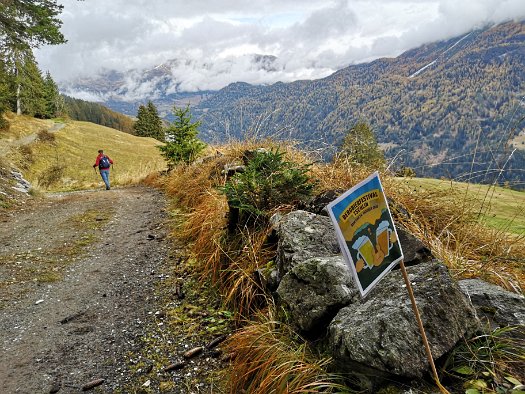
(103, 162)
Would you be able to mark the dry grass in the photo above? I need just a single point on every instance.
(270, 358)
(230, 261)
(446, 220)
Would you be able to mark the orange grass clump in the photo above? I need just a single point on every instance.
(229, 260)
(270, 358)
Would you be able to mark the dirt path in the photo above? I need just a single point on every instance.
(77, 279)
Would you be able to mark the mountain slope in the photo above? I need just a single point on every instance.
(431, 106)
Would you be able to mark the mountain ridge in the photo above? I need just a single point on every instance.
(473, 93)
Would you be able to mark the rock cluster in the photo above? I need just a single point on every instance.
(378, 336)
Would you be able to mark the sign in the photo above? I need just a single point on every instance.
(366, 233)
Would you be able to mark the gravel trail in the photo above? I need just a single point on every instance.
(77, 279)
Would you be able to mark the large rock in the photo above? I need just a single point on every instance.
(414, 250)
(318, 203)
(381, 335)
(314, 290)
(303, 235)
(496, 305)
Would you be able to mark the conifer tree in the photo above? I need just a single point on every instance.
(141, 125)
(182, 144)
(54, 102)
(157, 130)
(360, 146)
(28, 85)
(26, 24)
(149, 123)
(4, 94)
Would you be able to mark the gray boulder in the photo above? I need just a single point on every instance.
(314, 290)
(380, 335)
(22, 185)
(303, 235)
(496, 305)
(414, 250)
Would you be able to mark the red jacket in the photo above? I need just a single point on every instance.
(100, 156)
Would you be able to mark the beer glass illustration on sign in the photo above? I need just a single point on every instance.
(383, 241)
(365, 249)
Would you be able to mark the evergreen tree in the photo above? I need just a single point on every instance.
(28, 84)
(157, 130)
(54, 102)
(4, 94)
(28, 24)
(141, 125)
(149, 123)
(182, 144)
(360, 146)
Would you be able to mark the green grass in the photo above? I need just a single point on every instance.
(500, 208)
(66, 163)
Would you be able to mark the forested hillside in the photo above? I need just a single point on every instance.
(96, 113)
(446, 109)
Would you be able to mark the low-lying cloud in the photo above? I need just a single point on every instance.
(214, 41)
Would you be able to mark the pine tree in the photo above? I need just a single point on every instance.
(182, 144)
(28, 85)
(54, 102)
(26, 24)
(149, 123)
(157, 130)
(141, 125)
(4, 94)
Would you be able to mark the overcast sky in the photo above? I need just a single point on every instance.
(214, 40)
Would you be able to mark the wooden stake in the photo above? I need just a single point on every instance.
(421, 328)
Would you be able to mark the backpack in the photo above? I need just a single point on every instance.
(104, 163)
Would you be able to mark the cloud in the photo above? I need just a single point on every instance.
(214, 41)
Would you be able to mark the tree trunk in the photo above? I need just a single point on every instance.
(18, 101)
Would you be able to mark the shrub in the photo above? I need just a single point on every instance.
(28, 156)
(46, 136)
(51, 176)
(406, 172)
(267, 182)
(360, 146)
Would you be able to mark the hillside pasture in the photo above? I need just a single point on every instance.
(66, 163)
(500, 208)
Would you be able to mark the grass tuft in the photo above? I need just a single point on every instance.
(270, 358)
(494, 362)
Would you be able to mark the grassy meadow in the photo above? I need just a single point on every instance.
(62, 155)
(497, 207)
